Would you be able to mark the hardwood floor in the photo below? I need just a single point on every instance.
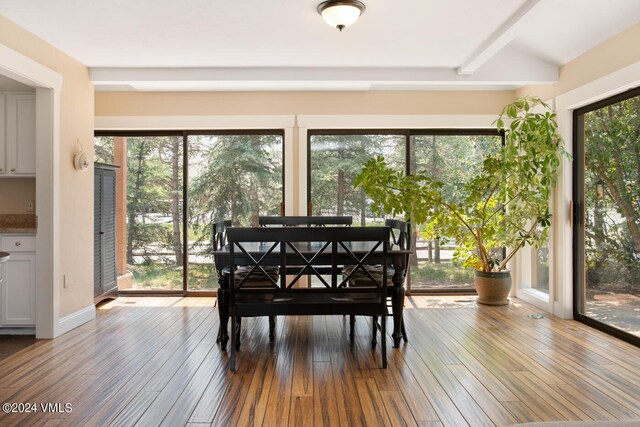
(154, 361)
(10, 344)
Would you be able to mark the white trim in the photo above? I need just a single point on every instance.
(48, 211)
(289, 181)
(302, 171)
(396, 121)
(76, 319)
(535, 297)
(27, 71)
(193, 122)
(562, 229)
(48, 84)
(604, 87)
(524, 275)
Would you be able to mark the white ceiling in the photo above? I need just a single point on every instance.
(152, 45)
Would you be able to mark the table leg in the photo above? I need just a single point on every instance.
(223, 311)
(397, 306)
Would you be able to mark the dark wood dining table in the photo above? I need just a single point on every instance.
(396, 258)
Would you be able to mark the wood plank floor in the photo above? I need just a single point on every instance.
(154, 362)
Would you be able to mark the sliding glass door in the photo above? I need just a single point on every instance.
(607, 206)
(165, 177)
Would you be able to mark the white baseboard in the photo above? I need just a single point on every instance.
(74, 320)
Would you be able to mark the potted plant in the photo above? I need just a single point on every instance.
(504, 207)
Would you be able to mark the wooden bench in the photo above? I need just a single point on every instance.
(316, 251)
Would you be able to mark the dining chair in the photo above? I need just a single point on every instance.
(400, 236)
(243, 273)
(297, 221)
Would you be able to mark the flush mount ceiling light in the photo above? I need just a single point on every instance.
(341, 13)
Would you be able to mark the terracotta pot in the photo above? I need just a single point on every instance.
(493, 287)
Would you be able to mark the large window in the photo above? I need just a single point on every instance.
(450, 157)
(231, 176)
(607, 200)
(205, 178)
(335, 157)
(335, 160)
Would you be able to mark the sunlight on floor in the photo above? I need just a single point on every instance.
(449, 302)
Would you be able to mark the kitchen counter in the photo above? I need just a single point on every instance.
(18, 223)
(25, 230)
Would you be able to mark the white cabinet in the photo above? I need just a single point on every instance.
(18, 287)
(18, 144)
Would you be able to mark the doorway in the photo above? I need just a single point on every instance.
(47, 84)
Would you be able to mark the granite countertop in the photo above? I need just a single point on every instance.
(18, 223)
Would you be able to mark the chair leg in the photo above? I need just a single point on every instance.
(238, 330)
(234, 336)
(272, 328)
(374, 332)
(383, 340)
(223, 313)
(404, 332)
(352, 324)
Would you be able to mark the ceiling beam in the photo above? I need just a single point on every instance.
(498, 40)
(509, 68)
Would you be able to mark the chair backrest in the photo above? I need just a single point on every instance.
(300, 251)
(400, 233)
(296, 221)
(401, 236)
(219, 234)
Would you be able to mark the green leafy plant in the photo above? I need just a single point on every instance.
(506, 204)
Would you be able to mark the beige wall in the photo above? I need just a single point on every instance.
(15, 194)
(612, 55)
(277, 103)
(76, 189)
